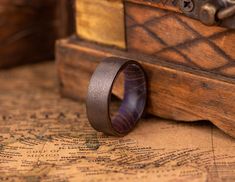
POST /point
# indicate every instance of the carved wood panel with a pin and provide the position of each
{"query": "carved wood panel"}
(178, 39)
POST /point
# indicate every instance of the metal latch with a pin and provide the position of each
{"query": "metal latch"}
(210, 12)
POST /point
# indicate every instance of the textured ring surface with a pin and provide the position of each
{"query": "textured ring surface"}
(99, 96)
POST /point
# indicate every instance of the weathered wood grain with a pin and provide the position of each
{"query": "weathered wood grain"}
(157, 30)
(162, 4)
(174, 91)
(190, 66)
(101, 21)
(28, 29)
(171, 36)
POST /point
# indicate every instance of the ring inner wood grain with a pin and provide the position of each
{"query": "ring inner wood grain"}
(134, 99)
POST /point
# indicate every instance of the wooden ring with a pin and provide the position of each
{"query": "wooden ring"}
(99, 96)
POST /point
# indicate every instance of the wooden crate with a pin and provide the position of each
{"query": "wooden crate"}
(190, 66)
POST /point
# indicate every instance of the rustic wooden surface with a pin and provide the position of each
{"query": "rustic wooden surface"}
(101, 21)
(174, 91)
(163, 4)
(176, 38)
(157, 30)
(28, 29)
(190, 66)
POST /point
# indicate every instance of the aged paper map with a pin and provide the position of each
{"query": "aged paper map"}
(44, 137)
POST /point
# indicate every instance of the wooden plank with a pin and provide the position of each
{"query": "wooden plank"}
(159, 33)
(101, 21)
(166, 5)
(28, 30)
(66, 17)
(174, 91)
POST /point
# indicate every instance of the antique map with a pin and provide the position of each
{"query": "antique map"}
(44, 137)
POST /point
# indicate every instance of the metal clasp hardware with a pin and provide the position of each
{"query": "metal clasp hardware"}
(210, 12)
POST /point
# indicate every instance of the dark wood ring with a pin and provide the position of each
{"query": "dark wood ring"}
(99, 96)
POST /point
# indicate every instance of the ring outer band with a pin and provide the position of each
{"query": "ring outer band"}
(99, 93)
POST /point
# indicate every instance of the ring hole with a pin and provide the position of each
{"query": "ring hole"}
(130, 86)
(117, 95)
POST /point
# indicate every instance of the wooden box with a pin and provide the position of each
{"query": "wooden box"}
(190, 66)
